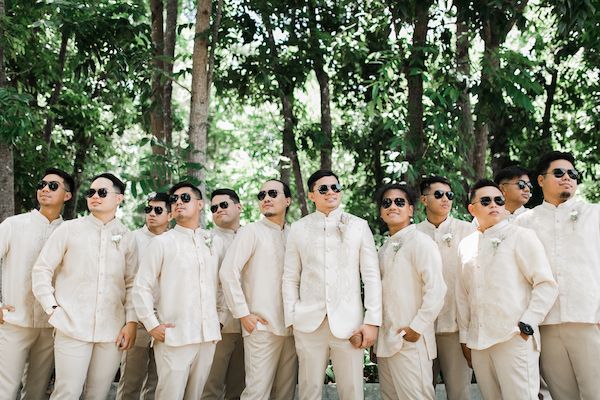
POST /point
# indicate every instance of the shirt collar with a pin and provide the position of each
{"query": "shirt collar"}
(147, 231)
(445, 225)
(403, 232)
(519, 211)
(271, 225)
(334, 215)
(566, 205)
(95, 221)
(188, 231)
(38, 215)
(496, 229)
(224, 231)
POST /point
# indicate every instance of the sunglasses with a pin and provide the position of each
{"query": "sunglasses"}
(52, 185)
(102, 192)
(438, 194)
(335, 188)
(523, 184)
(224, 205)
(185, 198)
(487, 200)
(560, 172)
(158, 210)
(263, 193)
(398, 201)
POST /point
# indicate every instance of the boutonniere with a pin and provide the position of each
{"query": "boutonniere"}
(116, 239)
(343, 225)
(396, 246)
(448, 238)
(208, 241)
(496, 242)
(574, 215)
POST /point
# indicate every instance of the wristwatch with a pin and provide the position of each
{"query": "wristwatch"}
(526, 329)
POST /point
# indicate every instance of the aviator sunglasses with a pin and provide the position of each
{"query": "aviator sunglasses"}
(438, 194)
(560, 172)
(157, 209)
(398, 201)
(335, 188)
(102, 192)
(52, 185)
(185, 197)
(263, 193)
(522, 184)
(224, 205)
(487, 200)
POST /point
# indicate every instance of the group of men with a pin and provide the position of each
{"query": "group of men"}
(252, 312)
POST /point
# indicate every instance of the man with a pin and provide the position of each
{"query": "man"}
(327, 254)
(138, 368)
(413, 295)
(83, 279)
(504, 290)
(569, 229)
(25, 335)
(437, 197)
(226, 378)
(181, 265)
(251, 276)
(516, 188)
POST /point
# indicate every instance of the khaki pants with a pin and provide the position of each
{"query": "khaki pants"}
(21, 347)
(138, 369)
(508, 370)
(408, 374)
(451, 362)
(314, 350)
(80, 363)
(271, 366)
(182, 370)
(570, 358)
(226, 379)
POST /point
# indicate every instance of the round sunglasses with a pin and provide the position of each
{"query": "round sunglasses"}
(52, 185)
(224, 205)
(398, 201)
(185, 198)
(335, 188)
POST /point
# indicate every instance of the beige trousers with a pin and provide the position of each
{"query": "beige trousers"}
(26, 354)
(451, 362)
(80, 363)
(314, 350)
(570, 358)
(408, 374)
(226, 379)
(271, 367)
(182, 370)
(508, 370)
(138, 369)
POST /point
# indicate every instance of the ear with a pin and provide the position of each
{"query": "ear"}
(120, 198)
(423, 200)
(311, 196)
(201, 204)
(411, 210)
(68, 196)
(470, 208)
(502, 189)
(540, 180)
(239, 206)
(288, 201)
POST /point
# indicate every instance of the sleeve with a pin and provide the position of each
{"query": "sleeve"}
(222, 310)
(5, 234)
(145, 283)
(462, 300)
(291, 275)
(371, 277)
(236, 258)
(428, 263)
(42, 274)
(534, 265)
(131, 267)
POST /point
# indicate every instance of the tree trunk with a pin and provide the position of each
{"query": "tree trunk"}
(481, 144)
(546, 144)
(170, 37)
(58, 83)
(82, 144)
(158, 44)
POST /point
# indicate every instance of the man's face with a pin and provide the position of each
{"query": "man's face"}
(273, 206)
(492, 213)
(517, 189)
(562, 188)
(329, 200)
(155, 220)
(227, 216)
(108, 203)
(47, 197)
(392, 213)
(185, 211)
(437, 206)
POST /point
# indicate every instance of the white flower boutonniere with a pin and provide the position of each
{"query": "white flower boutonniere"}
(116, 239)
(574, 215)
(208, 241)
(396, 246)
(343, 225)
(496, 242)
(448, 238)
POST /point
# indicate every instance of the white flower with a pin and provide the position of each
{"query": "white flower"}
(343, 225)
(496, 242)
(116, 239)
(208, 241)
(396, 246)
(574, 215)
(448, 238)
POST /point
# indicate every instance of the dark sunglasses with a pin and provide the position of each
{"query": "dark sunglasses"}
(158, 210)
(52, 185)
(224, 205)
(560, 172)
(487, 200)
(398, 201)
(335, 188)
(102, 192)
(185, 197)
(263, 193)
(522, 184)
(438, 194)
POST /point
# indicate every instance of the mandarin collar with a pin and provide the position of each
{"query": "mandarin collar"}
(494, 230)
(97, 222)
(147, 231)
(519, 211)
(188, 231)
(39, 216)
(272, 225)
(404, 232)
(334, 215)
(567, 204)
(445, 225)
(224, 231)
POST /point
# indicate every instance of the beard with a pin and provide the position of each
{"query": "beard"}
(564, 196)
(269, 214)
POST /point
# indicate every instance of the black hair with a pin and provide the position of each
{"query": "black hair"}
(509, 173)
(226, 192)
(546, 160)
(161, 196)
(67, 178)
(187, 184)
(430, 180)
(481, 183)
(410, 193)
(318, 175)
(287, 192)
(117, 183)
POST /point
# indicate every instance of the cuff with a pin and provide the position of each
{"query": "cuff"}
(150, 322)
(419, 325)
(462, 337)
(529, 319)
(240, 311)
(47, 301)
(131, 316)
(372, 318)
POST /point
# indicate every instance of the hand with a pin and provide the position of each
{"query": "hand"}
(369, 333)
(409, 334)
(7, 308)
(158, 333)
(524, 336)
(372, 355)
(467, 354)
(249, 322)
(126, 338)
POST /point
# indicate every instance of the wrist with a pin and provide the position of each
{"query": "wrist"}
(525, 329)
